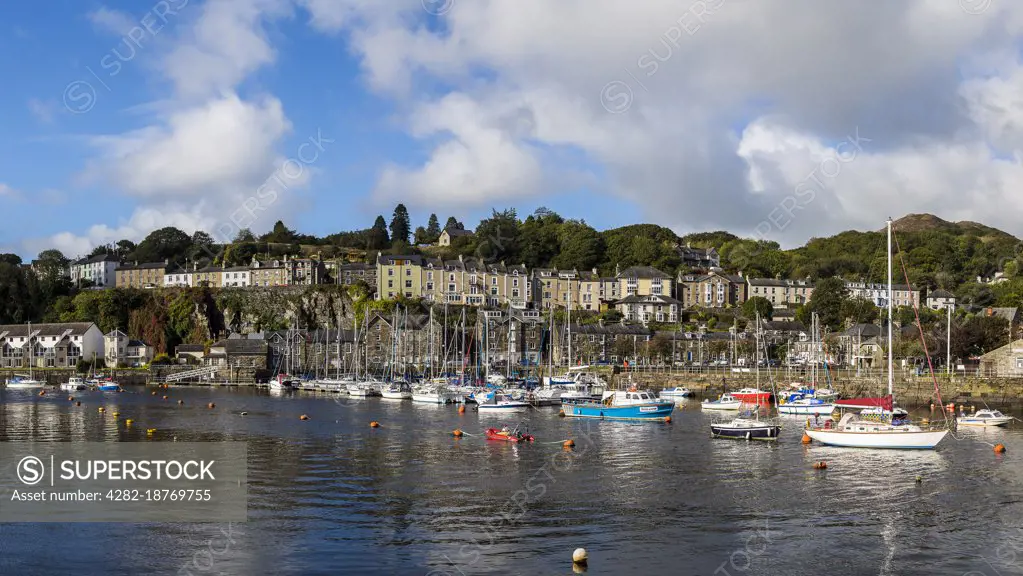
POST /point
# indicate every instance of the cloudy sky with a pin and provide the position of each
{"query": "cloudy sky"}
(779, 119)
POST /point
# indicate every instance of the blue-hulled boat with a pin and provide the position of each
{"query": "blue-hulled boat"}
(629, 404)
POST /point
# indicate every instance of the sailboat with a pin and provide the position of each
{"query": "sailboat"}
(21, 381)
(435, 392)
(806, 401)
(879, 426)
(747, 425)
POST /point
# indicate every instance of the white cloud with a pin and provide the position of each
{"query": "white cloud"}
(204, 150)
(733, 104)
(111, 21)
(7, 192)
(43, 111)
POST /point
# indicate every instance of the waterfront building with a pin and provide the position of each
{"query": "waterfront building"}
(49, 345)
(119, 350)
(902, 295)
(650, 308)
(236, 277)
(145, 275)
(940, 300)
(713, 290)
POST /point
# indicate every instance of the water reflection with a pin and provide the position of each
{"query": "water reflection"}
(408, 497)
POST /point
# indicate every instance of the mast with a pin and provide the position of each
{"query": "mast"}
(432, 374)
(891, 367)
(948, 340)
(568, 322)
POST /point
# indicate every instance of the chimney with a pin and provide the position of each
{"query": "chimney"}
(616, 270)
(460, 258)
(166, 261)
(600, 322)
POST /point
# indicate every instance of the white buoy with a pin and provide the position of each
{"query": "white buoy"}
(579, 556)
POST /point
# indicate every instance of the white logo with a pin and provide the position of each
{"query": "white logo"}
(30, 470)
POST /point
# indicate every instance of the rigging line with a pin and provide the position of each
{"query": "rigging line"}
(920, 329)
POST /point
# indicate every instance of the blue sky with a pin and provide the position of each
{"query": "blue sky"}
(458, 107)
(317, 78)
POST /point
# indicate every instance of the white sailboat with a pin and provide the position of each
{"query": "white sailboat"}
(881, 428)
(21, 381)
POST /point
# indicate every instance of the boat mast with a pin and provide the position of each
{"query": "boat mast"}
(891, 368)
(432, 374)
(568, 322)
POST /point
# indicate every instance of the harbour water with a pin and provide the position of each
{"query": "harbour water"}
(331, 495)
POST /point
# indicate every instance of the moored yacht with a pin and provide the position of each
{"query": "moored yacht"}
(22, 382)
(73, 383)
(985, 417)
(631, 404)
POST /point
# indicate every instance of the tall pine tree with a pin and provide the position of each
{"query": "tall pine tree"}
(401, 227)
(376, 237)
(432, 229)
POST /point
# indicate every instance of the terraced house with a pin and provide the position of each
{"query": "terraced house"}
(98, 270)
(146, 275)
(399, 276)
(644, 281)
(49, 345)
(553, 288)
(597, 292)
(270, 273)
(713, 290)
(781, 292)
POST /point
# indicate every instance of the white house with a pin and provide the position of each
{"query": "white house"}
(120, 350)
(99, 269)
(238, 277)
(649, 308)
(940, 300)
(49, 345)
(177, 279)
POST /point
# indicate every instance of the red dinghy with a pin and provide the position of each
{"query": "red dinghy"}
(508, 435)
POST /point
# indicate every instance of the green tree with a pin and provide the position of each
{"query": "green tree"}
(581, 247)
(124, 247)
(244, 235)
(280, 234)
(538, 238)
(757, 305)
(453, 223)
(163, 244)
(421, 236)
(860, 310)
(828, 301)
(432, 229)
(376, 237)
(102, 250)
(401, 226)
(497, 238)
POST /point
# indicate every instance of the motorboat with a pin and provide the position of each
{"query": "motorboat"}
(397, 391)
(631, 404)
(434, 394)
(365, 389)
(752, 396)
(107, 385)
(725, 402)
(495, 402)
(546, 396)
(985, 417)
(73, 384)
(676, 393)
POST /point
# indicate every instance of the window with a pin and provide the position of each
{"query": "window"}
(515, 281)
(390, 271)
(408, 271)
(429, 286)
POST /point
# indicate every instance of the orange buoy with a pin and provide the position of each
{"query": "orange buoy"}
(70, 398)
(211, 405)
(457, 433)
(461, 409)
(568, 443)
(374, 424)
(807, 439)
(999, 448)
(164, 397)
(820, 465)
(154, 393)
(561, 413)
(78, 403)
(303, 417)
(42, 392)
(667, 419)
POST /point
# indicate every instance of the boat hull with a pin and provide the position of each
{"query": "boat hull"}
(654, 411)
(912, 440)
(108, 388)
(984, 422)
(765, 432)
(388, 395)
(501, 408)
(721, 405)
(435, 398)
(24, 385)
(495, 434)
(758, 398)
(806, 410)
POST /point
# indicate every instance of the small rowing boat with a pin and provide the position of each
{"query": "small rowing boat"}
(507, 435)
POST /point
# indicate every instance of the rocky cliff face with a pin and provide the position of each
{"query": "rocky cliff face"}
(258, 309)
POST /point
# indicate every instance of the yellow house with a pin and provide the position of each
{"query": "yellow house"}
(399, 276)
(554, 288)
(147, 275)
(644, 281)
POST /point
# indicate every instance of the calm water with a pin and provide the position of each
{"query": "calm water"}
(333, 496)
